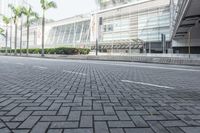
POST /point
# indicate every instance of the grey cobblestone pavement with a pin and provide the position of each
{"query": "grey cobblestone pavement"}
(66, 96)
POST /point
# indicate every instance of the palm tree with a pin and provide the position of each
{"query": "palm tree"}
(2, 31)
(6, 20)
(17, 11)
(30, 14)
(45, 5)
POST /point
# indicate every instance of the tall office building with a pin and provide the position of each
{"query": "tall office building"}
(144, 20)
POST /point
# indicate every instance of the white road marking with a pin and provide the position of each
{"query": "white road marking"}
(4, 62)
(147, 84)
(40, 67)
(19, 64)
(74, 72)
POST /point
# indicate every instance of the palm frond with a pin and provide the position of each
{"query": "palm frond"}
(45, 4)
(6, 20)
(51, 4)
(2, 31)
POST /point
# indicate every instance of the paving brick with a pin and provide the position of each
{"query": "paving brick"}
(86, 121)
(5, 130)
(9, 107)
(54, 118)
(36, 108)
(116, 124)
(174, 130)
(74, 115)
(15, 111)
(22, 116)
(101, 127)
(139, 130)
(46, 113)
(106, 118)
(139, 121)
(191, 129)
(40, 127)
(29, 122)
(109, 110)
(138, 113)
(188, 120)
(157, 127)
(12, 125)
(122, 115)
(55, 131)
(92, 113)
(55, 106)
(64, 111)
(177, 123)
(20, 131)
(64, 125)
(116, 130)
(152, 111)
(83, 130)
(154, 117)
(168, 115)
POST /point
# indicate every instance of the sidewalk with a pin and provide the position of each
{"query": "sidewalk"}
(126, 58)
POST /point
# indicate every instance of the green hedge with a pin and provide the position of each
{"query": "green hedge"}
(61, 50)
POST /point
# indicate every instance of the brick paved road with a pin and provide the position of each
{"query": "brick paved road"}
(65, 96)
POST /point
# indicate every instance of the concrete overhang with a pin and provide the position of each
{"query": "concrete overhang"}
(188, 17)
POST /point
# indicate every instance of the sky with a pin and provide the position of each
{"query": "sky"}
(66, 8)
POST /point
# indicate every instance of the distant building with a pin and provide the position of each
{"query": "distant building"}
(132, 21)
(127, 26)
(69, 32)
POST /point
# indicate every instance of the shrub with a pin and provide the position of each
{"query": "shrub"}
(60, 50)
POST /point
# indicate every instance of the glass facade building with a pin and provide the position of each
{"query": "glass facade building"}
(145, 20)
(72, 34)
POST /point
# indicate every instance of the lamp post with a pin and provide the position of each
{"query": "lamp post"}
(99, 33)
(163, 38)
(189, 44)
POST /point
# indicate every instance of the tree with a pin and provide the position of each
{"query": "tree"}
(30, 14)
(17, 12)
(6, 21)
(2, 31)
(45, 5)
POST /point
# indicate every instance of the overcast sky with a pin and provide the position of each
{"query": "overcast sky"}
(66, 8)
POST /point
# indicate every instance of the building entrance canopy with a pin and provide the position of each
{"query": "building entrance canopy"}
(121, 44)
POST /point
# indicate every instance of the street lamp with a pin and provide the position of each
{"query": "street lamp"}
(98, 35)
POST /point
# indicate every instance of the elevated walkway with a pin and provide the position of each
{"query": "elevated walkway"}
(187, 27)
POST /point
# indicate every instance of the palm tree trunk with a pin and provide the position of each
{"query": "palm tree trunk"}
(10, 39)
(15, 39)
(27, 46)
(21, 37)
(43, 30)
(6, 39)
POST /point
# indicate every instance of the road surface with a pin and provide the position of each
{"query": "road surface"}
(73, 96)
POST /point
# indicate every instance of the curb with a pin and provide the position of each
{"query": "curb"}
(142, 59)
